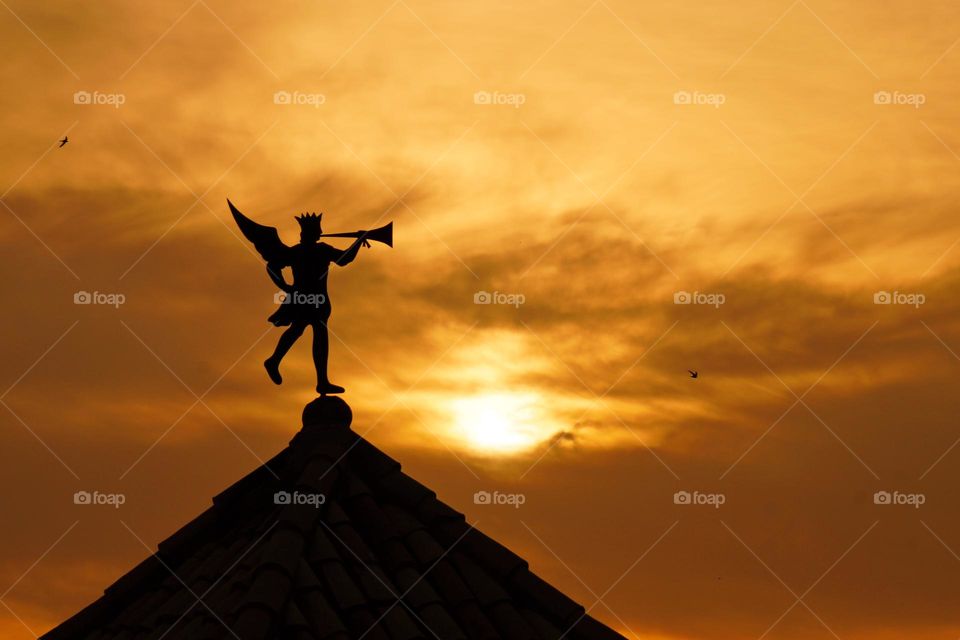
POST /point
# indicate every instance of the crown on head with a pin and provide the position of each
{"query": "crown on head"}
(309, 220)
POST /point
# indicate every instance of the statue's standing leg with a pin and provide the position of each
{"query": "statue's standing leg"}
(290, 336)
(321, 352)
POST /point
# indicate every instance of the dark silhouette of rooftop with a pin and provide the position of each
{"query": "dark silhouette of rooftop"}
(379, 558)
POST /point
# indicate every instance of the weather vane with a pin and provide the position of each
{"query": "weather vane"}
(305, 301)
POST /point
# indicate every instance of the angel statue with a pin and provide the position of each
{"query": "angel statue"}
(305, 301)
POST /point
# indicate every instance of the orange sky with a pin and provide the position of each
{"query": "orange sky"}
(596, 158)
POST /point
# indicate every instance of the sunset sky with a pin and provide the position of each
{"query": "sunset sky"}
(594, 161)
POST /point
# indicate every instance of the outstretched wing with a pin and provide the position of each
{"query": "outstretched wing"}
(265, 239)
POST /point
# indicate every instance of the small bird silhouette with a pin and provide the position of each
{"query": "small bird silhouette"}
(693, 374)
(64, 141)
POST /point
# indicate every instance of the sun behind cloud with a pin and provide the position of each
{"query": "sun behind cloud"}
(501, 422)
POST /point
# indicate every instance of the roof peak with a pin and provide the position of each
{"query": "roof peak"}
(372, 554)
(330, 412)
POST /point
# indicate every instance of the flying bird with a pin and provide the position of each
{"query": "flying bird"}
(64, 141)
(693, 374)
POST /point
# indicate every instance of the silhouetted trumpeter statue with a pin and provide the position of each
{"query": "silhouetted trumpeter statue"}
(306, 302)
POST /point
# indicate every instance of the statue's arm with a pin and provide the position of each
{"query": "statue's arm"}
(275, 271)
(347, 256)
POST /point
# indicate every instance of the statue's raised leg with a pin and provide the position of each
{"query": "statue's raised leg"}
(272, 364)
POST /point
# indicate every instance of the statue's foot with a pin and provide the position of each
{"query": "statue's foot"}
(273, 370)
(325, 388)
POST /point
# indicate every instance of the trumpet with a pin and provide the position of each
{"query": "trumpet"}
(382, 234)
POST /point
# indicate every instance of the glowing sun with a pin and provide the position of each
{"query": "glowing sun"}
(501, 422)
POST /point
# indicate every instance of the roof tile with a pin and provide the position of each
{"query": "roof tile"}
(510, 623)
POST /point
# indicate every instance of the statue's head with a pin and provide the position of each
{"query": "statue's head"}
(310, 229)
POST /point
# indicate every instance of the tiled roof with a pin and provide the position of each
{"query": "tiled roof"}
(380, 559)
